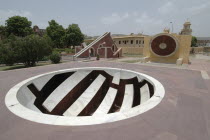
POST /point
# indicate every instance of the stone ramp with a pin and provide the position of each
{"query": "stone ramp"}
(90, 45)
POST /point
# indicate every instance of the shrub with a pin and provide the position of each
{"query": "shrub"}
(194, 41)
(45, 58)
(7, 56)
(55, 57)
(32, 49)
(27, 50)
(8, 53)
(1, 54)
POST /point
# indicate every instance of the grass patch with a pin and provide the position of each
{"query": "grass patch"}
(132, 55)
(132, 61)
(20, 66)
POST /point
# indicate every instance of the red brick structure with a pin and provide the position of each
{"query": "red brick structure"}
(104, 46)
(38, 31)
(79, 48)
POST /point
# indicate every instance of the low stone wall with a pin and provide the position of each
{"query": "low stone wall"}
(199, 49)
(206, 49)
(132, 50)
(196, 49)
(139, 50)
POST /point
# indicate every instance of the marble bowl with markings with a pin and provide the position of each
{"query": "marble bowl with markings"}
(84, 96)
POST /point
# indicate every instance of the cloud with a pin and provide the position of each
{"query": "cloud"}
(42, 25)
(194, 10)
(167, 8)
(5, 14)
(145, 19)
(114, 18)
(135, 13)
(150, 24)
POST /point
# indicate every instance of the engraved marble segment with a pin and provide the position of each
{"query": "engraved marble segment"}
(60, 92)
(116, 78)
(85, 98)
(107, 102)
(128, 98)
(27, 99)
(40, 82)
(145, 94)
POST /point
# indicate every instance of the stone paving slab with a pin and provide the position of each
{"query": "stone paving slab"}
(183, 114)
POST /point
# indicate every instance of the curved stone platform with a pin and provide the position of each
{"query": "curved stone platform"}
(84, 96)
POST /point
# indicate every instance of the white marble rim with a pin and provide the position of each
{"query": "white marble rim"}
(167, 34)
(18, 109)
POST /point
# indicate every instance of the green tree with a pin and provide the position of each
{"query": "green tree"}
(32, 49)
(1, 54)
(56, 32)
(2, 32)
(8, 52)
(19, 26)
(73, 36)
(194, 41)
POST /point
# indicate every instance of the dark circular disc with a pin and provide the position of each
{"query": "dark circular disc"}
(163, 45)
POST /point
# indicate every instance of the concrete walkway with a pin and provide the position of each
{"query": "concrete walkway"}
(183, 114)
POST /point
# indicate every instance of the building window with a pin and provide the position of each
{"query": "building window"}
(137, 41)
(131, 41)
(143, 42)
(119, 42)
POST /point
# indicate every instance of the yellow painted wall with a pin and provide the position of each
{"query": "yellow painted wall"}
(88, 41)
(146, 51)
(184, 48)
(184, 43)
(140, 40)
(132, 50)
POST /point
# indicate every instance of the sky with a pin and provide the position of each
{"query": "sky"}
(96, 17)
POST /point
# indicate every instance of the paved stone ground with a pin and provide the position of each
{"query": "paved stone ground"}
(183, 114)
